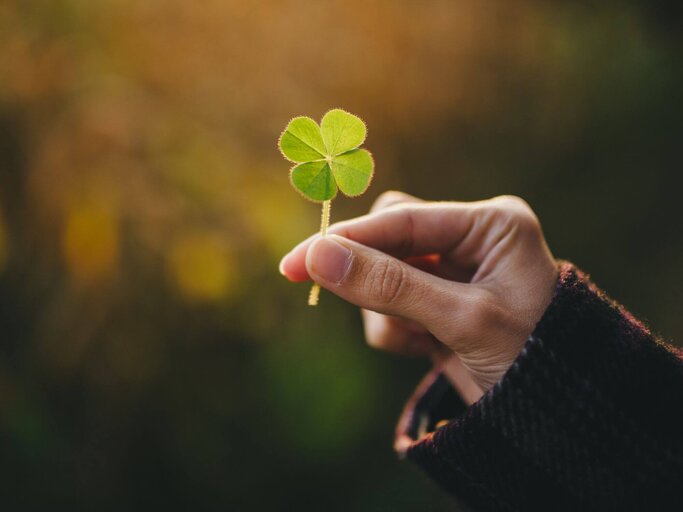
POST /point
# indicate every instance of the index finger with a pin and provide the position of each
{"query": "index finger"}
(415, 229)
(393, 198)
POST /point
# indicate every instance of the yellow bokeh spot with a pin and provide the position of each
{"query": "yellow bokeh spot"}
(201, 267)
(90, 242)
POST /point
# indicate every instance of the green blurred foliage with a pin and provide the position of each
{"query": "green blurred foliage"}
(150, 354)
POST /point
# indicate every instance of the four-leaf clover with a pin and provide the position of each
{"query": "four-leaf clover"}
(327, 155)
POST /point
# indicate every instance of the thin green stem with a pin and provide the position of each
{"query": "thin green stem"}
(314, 294)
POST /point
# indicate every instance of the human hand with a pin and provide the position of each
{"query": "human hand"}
(465, 283)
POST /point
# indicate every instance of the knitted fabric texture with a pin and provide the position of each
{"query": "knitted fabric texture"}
(589, 417)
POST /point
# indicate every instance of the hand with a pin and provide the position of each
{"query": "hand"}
(465, 283)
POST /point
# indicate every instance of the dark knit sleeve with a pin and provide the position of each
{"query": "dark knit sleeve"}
(589, 417)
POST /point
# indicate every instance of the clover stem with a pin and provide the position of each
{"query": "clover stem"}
(325, 220)
(314, 294)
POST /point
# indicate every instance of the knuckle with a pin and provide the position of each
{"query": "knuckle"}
(512, 204)
(388, 198)
(511, 201)
(518, 211)
(529, 223)
(385, 281)
(385, 198)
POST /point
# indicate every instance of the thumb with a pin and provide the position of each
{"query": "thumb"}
(374, 280)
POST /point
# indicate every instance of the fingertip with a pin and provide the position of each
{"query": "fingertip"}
(292, 270)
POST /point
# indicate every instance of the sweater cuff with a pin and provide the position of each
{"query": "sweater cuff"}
(585, 416)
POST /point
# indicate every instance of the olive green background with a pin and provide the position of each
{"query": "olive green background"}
(151, 356)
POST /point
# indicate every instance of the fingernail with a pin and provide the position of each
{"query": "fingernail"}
(281, 267)
(330, 260)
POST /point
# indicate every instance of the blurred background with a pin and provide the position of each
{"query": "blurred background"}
(151, 356)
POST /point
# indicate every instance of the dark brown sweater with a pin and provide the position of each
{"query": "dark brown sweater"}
(589, 417)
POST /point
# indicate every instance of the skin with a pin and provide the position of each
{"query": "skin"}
(462, 283)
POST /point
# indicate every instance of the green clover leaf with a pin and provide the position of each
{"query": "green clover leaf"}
(327, 155)
(328, 159)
